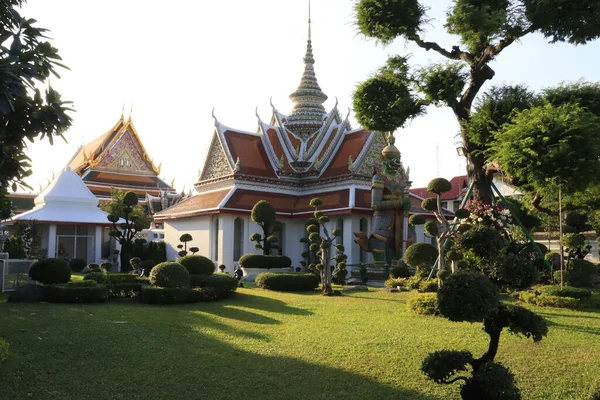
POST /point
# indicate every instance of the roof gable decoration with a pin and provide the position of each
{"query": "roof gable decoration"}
(370, 156)
(217, 163)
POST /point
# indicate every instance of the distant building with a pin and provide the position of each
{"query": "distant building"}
(450, 200)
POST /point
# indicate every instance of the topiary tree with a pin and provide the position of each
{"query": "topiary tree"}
(77, 264)
(125, 206)
(197, 265)
(322, 244)
(185, 238)
(194, 250)
(170, 275)
(50, 271)
(106, 266)
(263, 213)
(484, 29)
(442, 230)
(472, 297)
(421, 256)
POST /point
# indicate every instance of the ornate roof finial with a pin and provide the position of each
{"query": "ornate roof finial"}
(130, 112)
(123, 112)
(390, 149)
(307, 115)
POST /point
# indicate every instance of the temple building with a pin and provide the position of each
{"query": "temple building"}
(287, 161)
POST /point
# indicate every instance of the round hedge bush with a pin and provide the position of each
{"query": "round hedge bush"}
(579, 273)
(424, 304)
(77, 264)
(513, 271)
(170, 275)
(50, 271)
(420, 255)
(399, 271)
(263, 261)
(467, 296)
(197, 265)
(429, 204)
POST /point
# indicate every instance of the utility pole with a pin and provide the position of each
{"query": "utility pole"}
(560, 245)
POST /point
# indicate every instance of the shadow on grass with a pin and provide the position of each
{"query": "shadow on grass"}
(166, 353)
(574, 328)
(267, 304)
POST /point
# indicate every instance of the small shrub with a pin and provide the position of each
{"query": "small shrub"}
(543, 300)
(395, 282)
(125, 289)
(147, 265)
(513, 271)
(3, 351)
(135, 263)
(81, 283)
(197, 265)
(222, 283)
(428, 286)
(413, 282)
(424, 304)
(107, 266)
(287, 281)
(566, 291)
(111, 278)
(170, 275)
(467, 296)
(222, 268)
(399, 271)
(50, 271)
(77, 264)
(579, 273)
(13, 245)
(93, 267)
(263, 261)
(75, 294)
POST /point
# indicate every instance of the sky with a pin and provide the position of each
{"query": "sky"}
(169, 64)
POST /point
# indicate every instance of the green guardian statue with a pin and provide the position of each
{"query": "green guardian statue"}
(390, 202)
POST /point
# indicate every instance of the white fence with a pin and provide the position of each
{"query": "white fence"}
(14, 273)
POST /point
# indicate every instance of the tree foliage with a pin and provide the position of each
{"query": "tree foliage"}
(484, 29)
(30, 108)
(264, 214)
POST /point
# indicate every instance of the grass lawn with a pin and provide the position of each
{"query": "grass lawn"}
(269, 345)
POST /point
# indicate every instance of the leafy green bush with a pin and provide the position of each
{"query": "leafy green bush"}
(148, 265)
(400, 271)
(566, 291)
(81, 283)
(197, 265)
(107, 266)
(513, 271)
(125, 289)
(3, 351)
(287, 281)
(77, 264)
(543, 300)
(222, 283)
(101, 277)
(75, 294)
(263, 261)
(492, 382)
(14, 246)
(93, 267)
(439, 186)
(395, 282)
(421, 256)
(135, 263)
(50, 271)
(579, 273)
(428, 286)
(170, 275)
(424, 304)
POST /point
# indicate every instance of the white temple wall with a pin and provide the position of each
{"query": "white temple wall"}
(198, 227)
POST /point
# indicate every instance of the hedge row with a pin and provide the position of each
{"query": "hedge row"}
(160, 295)
(424, 304)
(287, 281)
(263, 261)
(566, 291)
(113, 278)
(223, 284)
(543, 300)
(64, 293)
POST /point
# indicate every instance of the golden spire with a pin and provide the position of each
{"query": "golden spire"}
(309, 38)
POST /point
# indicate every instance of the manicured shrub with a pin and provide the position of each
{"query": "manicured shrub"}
(81, 283)
(50, 271)
(400, 271)
(222, 283)
(147, 265)
(439, 186)
(93, 267)
(579, 273)
(107, 266)
(513, 271)
(119, 285)
(77, 264)
(159, 295)
(428, 286)
(543, 300)
(197, 265)
(424, 304)
(467, 296)
(75, 294)
(3, 351)
(566, 291)
(125, 289)
(170, 275)
(135, 263)
(421, 256)
(263, 261)
(13, 245)
(111, 278)
(287, 281)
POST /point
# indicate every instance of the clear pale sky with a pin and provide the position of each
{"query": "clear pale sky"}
(174, 61)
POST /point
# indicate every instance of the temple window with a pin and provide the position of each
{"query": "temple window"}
(363, 227)
(340, 226)
(238, 238)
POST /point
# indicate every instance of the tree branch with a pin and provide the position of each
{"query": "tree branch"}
(536, 204)
(455, 54)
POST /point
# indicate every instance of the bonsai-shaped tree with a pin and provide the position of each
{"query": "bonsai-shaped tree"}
(194, 250)
(125, 232)
(263, 213)
(472, 297)
(322, 243)
(186, 237)
(421, 256)
(442, 230)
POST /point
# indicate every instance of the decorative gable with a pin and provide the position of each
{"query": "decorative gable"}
(365, 163)
(125, 155)
(216, 164)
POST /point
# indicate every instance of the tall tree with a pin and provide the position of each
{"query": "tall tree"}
(29, 107)
(388, 99)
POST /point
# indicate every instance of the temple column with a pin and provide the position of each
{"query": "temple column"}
(52, 241)
(98, 244)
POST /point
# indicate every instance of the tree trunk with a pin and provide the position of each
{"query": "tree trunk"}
(326, 273)
(482, 189)
(125, 256)
(493, 326)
